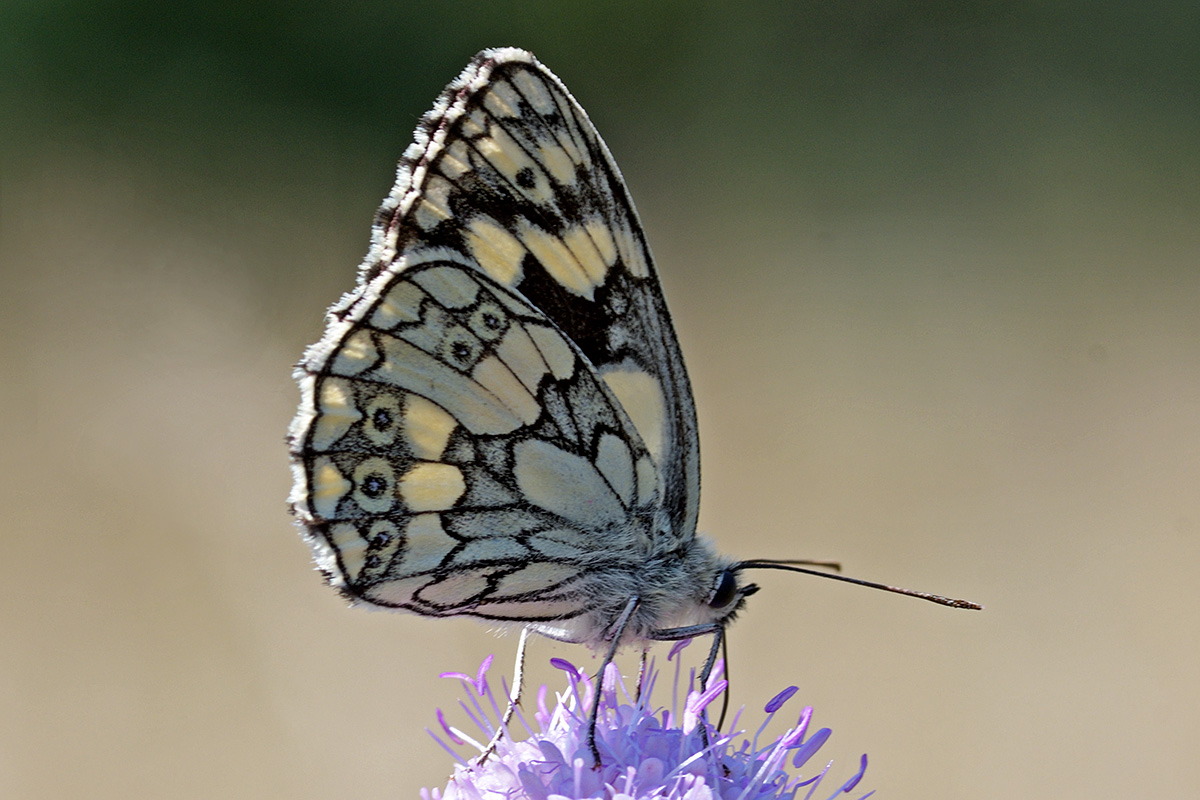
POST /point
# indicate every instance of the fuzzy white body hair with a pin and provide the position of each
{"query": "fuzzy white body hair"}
(672, 591)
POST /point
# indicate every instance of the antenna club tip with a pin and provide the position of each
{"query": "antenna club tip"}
(949, 601)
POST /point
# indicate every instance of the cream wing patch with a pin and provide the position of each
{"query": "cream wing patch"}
(328, 487)
(519, 353)
(557, 161)
(497, 251)
(431, 486)
(537, 577)
(565, 484)
(454, 590)
(337, 413)
(435, 208)
(554, 349)
(493, 375)
(401, 304)
(427, 427)
(556, 257)
(615, 463)
(351, 548)
(357, 353)
(641, 395)
(426, 546)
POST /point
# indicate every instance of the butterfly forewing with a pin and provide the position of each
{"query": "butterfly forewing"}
(508, 170)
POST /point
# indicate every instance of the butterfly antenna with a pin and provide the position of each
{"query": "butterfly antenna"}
(791, 566)
(836, 566)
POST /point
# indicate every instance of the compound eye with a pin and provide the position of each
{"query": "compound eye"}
(725, 590)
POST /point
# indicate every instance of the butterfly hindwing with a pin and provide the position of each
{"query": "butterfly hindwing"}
(461, 456)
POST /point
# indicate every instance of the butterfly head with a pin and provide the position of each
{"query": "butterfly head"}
(717, 596)
(691, 589)
(726, 592)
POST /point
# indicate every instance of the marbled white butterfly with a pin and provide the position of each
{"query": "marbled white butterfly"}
(498, 422)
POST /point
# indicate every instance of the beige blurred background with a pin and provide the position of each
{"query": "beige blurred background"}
(935, 271)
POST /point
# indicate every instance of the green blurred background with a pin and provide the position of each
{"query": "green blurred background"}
(936, 270)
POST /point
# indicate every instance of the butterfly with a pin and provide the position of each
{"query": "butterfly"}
(498, 422)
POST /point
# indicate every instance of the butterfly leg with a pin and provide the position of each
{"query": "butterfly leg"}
(618, 628)
(728, 680)
(514, 697)
(709, 663)
(641, 675)
(718, 633)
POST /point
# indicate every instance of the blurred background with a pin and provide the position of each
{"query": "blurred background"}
(936, 271)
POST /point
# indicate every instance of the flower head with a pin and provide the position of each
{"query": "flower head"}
(645, 752)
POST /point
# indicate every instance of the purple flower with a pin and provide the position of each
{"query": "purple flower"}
(645, 753)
